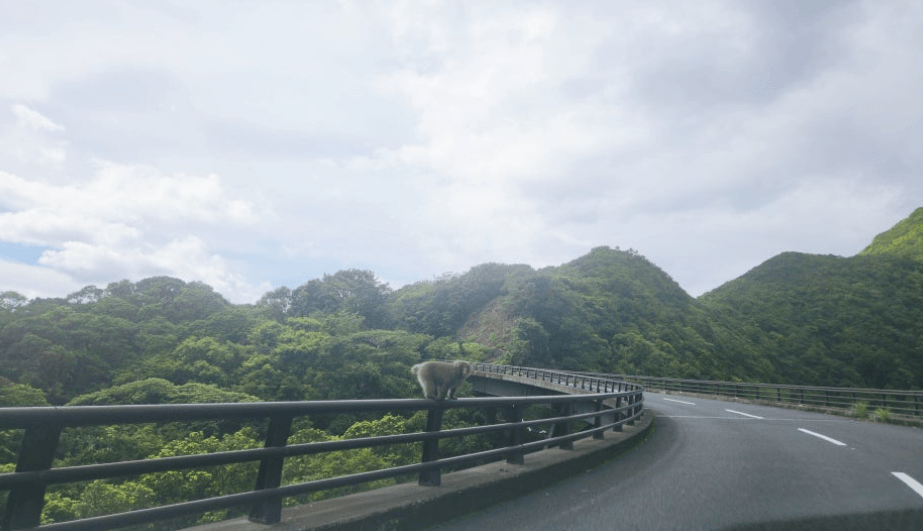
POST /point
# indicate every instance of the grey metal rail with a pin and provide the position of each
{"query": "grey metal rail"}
(611, 404)
(907, 403)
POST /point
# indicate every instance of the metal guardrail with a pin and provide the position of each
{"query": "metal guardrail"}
(618, 401)
(907, 403)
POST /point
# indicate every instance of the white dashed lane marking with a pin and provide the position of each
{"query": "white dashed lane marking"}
(824, 437)
(744, 414)
(912, 483)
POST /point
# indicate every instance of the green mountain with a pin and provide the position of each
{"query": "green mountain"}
(610, 310)
(797, 318)
(829, 320)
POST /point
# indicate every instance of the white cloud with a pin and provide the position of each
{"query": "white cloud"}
(33, 119)
(33, 281)
(128, 222)
(414, 138)
(31, 139)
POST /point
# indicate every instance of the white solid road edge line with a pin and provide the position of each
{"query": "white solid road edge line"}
(680, 401)
(824, 437)
(744, 414)
(912, 483)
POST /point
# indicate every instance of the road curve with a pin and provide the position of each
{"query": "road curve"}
(713, 464)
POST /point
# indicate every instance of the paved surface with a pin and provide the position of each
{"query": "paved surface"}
(723, 465)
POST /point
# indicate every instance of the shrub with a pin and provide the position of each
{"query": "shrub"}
(860, 410)
(883, 415)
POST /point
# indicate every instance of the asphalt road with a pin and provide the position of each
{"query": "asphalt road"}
(723, 465)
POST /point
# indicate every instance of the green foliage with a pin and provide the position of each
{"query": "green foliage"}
(20, 395)
(10, 300)
(192, 484)
(447, 348)
(160, 391)
(882, 415)
(100, 498)
(826, 320)
(860, 410)
(395, 454)
(307, 468)
(351, 291)
(157, 489)
(903, 240)
(440, 307)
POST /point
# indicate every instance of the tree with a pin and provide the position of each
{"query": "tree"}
(351, 291)
(10, 301)
(87, 295)
(278, 303)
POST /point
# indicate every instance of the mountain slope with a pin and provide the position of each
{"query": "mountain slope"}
(904, 239)
(828, 320)
(612, 311)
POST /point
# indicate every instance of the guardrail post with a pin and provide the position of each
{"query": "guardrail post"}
(598, 420)
(562, 428)
(24, 504)
(514, 415)
(618, 411)
(432, 478)
(270, 473)
(631, 401)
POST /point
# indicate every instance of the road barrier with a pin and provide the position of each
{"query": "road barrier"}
(906, 403)
(601, 403)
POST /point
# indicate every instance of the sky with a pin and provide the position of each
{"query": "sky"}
(257, 144)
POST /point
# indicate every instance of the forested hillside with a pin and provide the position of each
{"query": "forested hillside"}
(828, 320)
(797, 318)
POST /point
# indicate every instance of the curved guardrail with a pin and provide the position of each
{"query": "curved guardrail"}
(906, 403)
(603, 403)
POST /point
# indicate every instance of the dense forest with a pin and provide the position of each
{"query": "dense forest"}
(797, 318)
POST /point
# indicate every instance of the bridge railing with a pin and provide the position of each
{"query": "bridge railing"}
(907, 403)
(578, 381)
(613, 404)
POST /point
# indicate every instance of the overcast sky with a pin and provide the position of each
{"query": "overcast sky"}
(255, 144)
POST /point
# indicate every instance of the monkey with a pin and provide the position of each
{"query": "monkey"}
(439, 379)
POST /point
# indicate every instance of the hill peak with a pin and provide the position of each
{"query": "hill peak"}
(903, 239)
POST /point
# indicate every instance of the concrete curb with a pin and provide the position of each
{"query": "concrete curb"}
(409, 506)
